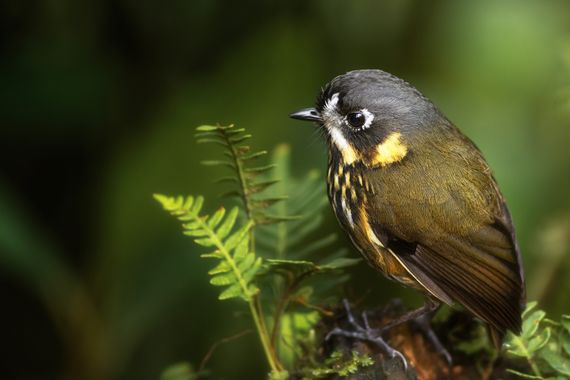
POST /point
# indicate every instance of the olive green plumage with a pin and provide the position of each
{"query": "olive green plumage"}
(417, 197)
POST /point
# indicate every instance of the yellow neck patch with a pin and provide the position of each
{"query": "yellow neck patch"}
(389, 151)
(349, 155)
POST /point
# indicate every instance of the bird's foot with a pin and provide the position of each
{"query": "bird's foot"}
(367, 334)
(423, 325)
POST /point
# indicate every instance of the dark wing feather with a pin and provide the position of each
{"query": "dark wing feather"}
(449, 226)
(484, 284)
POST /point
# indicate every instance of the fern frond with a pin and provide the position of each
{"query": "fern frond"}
(303, 268)
(295, 239)
(237, 265)
(239, 158)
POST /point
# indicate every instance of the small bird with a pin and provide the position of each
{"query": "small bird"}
(417, 198)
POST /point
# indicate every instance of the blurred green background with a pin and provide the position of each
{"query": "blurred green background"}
(98, 103)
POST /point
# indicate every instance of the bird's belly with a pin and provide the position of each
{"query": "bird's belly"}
(349, 200)
(384, 261)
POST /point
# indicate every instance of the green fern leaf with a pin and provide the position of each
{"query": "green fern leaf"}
(237, 266)
(227, 224)
(216, 218)
(239, 157)
(222, 267)
(233, 291)
(305, 268)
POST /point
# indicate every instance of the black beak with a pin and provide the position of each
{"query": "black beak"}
(308, 114)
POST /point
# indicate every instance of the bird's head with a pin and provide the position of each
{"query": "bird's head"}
(371, 116)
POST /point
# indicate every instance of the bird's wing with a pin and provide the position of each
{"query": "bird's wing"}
(451, 227)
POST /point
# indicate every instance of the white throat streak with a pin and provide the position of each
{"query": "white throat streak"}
(348, 153)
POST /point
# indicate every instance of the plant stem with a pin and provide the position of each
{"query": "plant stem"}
(279, 311)
(263, 337)
(251, 298)
(243, 186)
(528, 356)
(283, 303)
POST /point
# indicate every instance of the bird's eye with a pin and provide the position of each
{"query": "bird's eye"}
(356, 119)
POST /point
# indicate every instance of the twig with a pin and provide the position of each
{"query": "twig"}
(215, 346)
(322, 310)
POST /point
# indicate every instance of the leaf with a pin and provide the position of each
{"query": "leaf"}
(234, 239)
(524, 375)
(179, 371)
(230, 179)
(210, 141)
(250, 273)
(538, 341)
(207, 128)
(252, 156)
(288, 237)
(341, 263)
(531, 324)
(193, 233)
(565, 321)
(215, 219)
(239, 139)
(204, 242)
(227, 224)
(266, 202)
(516, 346)
(565, 341)
(196, 207)
(231, 292)
(258, 187)
(239, 156)
(222, 267)
(529, 307)
(294, 266)
(556, 361)
(304, 267)
(221, 280)
(236, 267)
(213, 255)
(218, 163)
(246, 263)
(260, 169)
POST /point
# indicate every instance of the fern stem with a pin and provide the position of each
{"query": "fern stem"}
(243, 185)
(262, 336)
(283, 304)
(280, 311)
(251, 299)
(253, 302)
(268, 348)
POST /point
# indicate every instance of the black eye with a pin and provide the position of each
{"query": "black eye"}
(356, 119)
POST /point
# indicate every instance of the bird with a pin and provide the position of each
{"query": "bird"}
(418, 200)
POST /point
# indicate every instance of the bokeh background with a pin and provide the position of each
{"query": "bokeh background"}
(98, 103)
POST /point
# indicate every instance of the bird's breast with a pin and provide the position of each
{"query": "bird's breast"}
(350, 193)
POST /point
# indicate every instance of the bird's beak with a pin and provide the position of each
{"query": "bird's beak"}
(308, 114)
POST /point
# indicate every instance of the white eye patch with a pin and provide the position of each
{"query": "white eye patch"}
(368, 119)
(332, 116)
